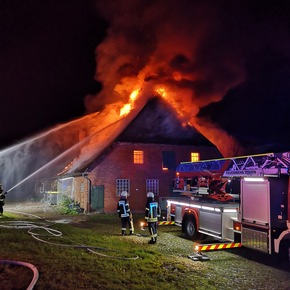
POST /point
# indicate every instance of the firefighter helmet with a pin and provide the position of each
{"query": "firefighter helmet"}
(124, 193)
(150, 194)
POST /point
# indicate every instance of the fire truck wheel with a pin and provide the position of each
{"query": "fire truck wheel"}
(190, 228)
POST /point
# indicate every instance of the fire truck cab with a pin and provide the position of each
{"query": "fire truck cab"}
(241, 199)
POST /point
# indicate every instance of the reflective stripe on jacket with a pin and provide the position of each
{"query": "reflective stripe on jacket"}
(152, 211)
(123, 208)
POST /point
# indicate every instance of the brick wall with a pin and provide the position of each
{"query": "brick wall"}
(118, 164)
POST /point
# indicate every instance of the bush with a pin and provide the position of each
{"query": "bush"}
(67, 205)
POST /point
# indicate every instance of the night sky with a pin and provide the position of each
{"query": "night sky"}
(227, 62)
(47, 63)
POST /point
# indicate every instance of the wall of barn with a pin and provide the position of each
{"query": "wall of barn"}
(118, 164)
(52, 192)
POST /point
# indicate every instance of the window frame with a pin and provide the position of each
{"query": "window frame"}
(122, 184)
(82, 187)
(42, 188)
(168, 160)
(138, 157)
(152, 185)
(194, 156)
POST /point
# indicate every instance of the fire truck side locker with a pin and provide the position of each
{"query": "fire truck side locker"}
(216, 221)
(255, 214)
(211, 219)
(264, 214)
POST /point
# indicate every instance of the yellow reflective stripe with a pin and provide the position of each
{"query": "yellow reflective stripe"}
(152, 220)
(218, 246)
(166, 223)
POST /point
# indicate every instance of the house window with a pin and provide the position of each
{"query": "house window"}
(138, 157)
(41, 188)
(82, 186)
(194, 156)
(66, 186)
(152, 185)
(168, 160)
(122, 185)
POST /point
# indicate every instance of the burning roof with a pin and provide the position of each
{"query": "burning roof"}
(155, 122)
(158, 122)
(71, 147)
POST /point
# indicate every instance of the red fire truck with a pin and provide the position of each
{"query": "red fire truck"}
(241, 200)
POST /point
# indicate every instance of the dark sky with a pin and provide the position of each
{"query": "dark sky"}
(47, 63)
(226, 61)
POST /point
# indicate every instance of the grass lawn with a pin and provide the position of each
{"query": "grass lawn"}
(90, 253)
(86, 255)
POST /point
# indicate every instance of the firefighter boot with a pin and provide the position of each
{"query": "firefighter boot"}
(151, 242)
(123, 233)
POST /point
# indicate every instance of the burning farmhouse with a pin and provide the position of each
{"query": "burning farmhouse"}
(138, 153)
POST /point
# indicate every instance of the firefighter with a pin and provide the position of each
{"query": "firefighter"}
(152, 213)
(2, 200)
(125, 214)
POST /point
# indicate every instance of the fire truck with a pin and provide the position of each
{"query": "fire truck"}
(242, 200)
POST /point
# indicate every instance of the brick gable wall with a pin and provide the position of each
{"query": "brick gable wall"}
(118, 164)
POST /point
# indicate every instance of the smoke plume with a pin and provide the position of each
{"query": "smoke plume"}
(168, 44)
(198, 51)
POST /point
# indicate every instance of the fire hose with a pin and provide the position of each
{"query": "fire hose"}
(43, 226)
(93, 249)
(32, 227)
(28, 265)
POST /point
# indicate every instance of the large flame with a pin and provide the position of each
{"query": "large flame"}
(159, 47)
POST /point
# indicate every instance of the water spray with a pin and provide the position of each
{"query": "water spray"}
(76, 146)
(41, 135)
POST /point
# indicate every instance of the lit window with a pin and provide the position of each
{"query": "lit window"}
(152, 185)
(138, 157)
(194, 156)
(122, 185)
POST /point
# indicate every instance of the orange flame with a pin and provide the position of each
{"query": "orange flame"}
(186, 114)
(126, 109)
(134, 95)
(161, 92)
